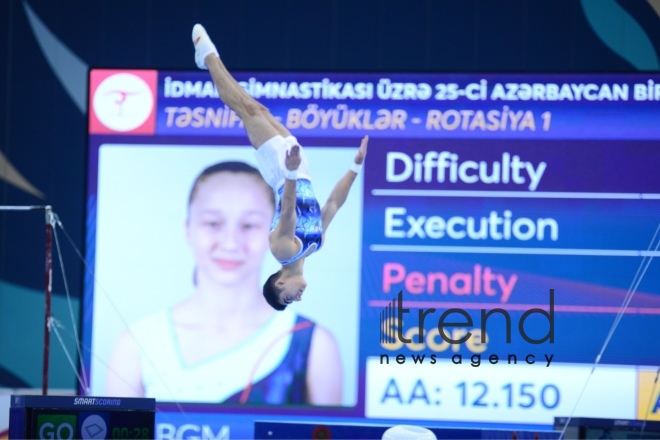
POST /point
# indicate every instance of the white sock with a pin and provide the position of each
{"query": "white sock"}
(203, 45)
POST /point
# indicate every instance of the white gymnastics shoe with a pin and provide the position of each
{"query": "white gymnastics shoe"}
(203, 46)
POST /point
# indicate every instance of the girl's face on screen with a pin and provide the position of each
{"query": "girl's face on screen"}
(228, 226)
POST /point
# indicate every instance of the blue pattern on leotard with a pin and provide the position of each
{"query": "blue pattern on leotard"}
(287, 384)
(309, 228)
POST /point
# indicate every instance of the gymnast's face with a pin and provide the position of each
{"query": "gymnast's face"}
(292, 288)
(228, 225)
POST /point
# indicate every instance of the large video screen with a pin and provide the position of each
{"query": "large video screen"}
(491, 266)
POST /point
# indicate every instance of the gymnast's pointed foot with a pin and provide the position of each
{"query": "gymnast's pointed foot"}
(203, 46)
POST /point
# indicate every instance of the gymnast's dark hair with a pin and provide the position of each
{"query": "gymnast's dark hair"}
(229, 167)
(272, 292)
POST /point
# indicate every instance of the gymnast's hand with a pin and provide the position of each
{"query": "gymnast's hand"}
(362, 152)
(292, 160)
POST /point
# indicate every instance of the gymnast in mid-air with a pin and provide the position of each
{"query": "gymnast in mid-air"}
(299, 225)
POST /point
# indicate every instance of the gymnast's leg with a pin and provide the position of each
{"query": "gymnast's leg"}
(257, 119)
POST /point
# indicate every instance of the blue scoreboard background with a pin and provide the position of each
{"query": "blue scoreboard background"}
(481, 194)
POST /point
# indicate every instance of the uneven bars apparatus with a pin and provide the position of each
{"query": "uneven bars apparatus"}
(48, 288)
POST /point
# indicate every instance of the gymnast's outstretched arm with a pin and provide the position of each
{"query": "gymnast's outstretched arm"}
(340, 191)
(282, 242)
